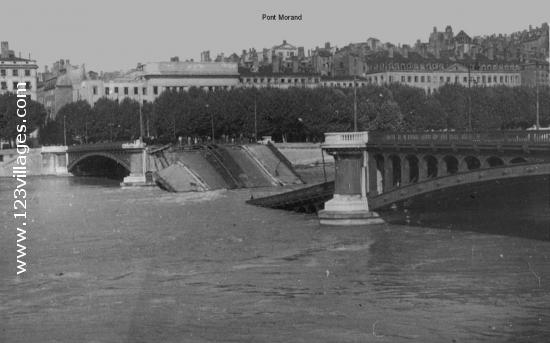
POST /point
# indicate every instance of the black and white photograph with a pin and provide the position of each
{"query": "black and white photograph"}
(274, 171)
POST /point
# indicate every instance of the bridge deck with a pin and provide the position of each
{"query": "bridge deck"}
(308, 199)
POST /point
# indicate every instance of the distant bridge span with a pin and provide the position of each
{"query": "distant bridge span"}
(131, 156)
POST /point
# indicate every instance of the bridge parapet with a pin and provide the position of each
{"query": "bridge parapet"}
(457, 138)
(345, 140)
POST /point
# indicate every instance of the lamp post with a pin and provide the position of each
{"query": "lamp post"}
(354, 105)
(64, 131)
(255, 121)
(140, 120)
(211, 121)
(476, 67)
(537, 92)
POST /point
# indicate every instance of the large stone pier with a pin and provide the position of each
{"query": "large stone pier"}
(350, 205)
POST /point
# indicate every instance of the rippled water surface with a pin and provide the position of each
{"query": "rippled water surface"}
(110, 264)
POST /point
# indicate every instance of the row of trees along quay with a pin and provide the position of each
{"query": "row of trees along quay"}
(295, 114)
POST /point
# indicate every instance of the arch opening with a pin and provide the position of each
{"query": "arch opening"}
(472, 163)
(451, 164)
(431, 166)
(99, 166)
(396, 170)
(414, 171)
(494, 161)
(518, 160)
(379, 173)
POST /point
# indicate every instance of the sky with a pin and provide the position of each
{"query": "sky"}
(113, 35)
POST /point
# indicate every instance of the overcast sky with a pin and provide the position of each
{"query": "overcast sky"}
(112, 35)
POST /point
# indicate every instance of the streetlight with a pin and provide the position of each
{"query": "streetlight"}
(211, 120)
(64, 131)
(255, 121)
(354, 105)
(537, 92)
(140, 119)
(476, 67)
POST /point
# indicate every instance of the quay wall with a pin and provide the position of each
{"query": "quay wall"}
(38, 163)
(302, 154)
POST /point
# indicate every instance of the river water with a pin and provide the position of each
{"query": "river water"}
(111, 264)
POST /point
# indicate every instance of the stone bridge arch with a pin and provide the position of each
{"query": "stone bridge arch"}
(73, 163)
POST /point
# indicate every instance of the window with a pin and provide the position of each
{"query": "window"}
(107, 91)
(4, 85)
(144, 91)
(415, 78)
(155, 90)
(429, 78)
(116, 90)
(28, 85)
(483, 78)
(465, 79)
(448, 79)
(2, 72)
(27, 72)
(408, 79)
(402, 78)
(441, 79)
(501, 79)
(15, 86)
(136, 91)
(94, 90)
(489, 79)
(422, 78)
(15, 72)
(125, 90)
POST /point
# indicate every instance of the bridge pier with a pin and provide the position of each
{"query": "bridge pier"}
(138, 169)
(349, 205)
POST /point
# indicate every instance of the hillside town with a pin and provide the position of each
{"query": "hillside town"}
(515, 59)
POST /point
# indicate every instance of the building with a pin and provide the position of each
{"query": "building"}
(148, 81)
(285, 51)
(535, 73)
(430, 72)
(267, 78)
(60, 86)
(16, 69)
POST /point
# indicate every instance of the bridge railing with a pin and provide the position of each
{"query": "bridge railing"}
(541, 137)
(346, 138)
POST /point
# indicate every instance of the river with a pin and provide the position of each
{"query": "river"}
(111, 264)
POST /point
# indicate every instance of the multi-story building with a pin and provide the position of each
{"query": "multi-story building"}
(148, 81)
(16, 69)
(285, 51)
(535, 73)
(322, 60)
(433, 71)
(60, 86)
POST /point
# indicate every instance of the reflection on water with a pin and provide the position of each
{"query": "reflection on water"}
(110, 264)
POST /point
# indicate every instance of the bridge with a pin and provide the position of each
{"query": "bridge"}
(129, 159)
(377, 169)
